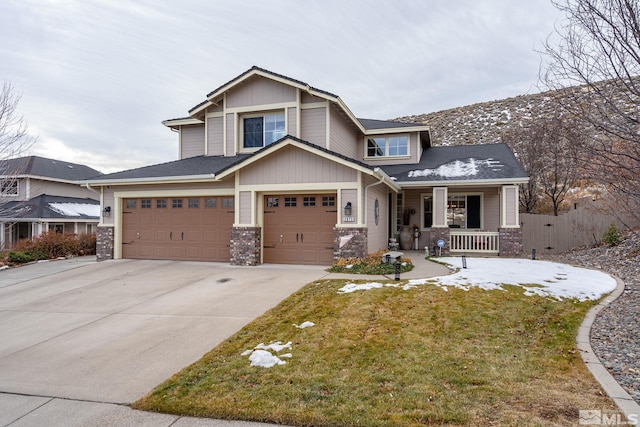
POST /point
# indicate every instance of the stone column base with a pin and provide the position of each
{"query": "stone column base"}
(104, 243)
(355, 247)
(440, 233)
(510, 242)
(246, 243)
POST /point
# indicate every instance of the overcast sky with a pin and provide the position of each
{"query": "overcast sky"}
(97, 77)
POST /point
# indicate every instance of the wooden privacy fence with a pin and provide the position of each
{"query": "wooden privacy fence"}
(549, 234)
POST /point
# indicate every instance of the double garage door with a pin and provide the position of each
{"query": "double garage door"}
(298, 229)
(189, 229)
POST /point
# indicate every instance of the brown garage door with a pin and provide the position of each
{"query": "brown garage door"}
(298, 229)
(193, 229)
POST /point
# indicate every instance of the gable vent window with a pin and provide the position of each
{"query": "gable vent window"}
(260, 131)
(391, 146)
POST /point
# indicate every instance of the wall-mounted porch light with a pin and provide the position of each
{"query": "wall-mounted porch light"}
(106, 212)
(347, 209)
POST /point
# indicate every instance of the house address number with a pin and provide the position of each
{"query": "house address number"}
(349, 219)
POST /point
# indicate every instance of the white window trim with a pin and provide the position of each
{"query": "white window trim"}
(386, 138)
(241, 117)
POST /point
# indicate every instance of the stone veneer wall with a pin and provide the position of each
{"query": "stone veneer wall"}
(245, 245)
(510, 242)
(356, 247)
(104, 243)
(437, 234)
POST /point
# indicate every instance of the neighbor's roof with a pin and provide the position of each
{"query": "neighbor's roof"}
(53, 208)
(44, 167)
(461, 163)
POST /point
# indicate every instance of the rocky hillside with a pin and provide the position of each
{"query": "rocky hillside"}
(484, 123)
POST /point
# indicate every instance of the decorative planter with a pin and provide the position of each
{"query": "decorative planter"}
(405, 238)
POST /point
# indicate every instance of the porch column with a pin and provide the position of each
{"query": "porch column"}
(2, 230)
(510, 232)
(440, 228)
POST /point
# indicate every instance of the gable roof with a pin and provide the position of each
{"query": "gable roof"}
(218, 167)
(53, 208)
(364, 125)
(47, 168)
(463, 164)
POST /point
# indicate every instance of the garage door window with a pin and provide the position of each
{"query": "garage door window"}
(176, 203)
(309, 201)
(131, 204)
(194, 203)
(145, 203)
(227, 202)
(290, 201)
(210, 203)
(272, 202)
(328, 201)
(161, 203)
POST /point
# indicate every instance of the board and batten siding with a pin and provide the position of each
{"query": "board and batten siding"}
(292, 165)
(344, 139)
(245, 204)
(215, 136)
(231, 133)
(292, 126)
(377, 233)
(191, 141)
(313, 123)
(307, 98)
(38, 187)
(260, 91)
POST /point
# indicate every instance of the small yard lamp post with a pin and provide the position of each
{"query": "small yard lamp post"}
(398, 268)
(464, 261)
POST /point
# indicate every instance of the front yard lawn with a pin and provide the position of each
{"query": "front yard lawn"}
(389, 356)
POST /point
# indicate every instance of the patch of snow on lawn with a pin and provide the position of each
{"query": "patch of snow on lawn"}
(544, 278)
(265, 359)
(304, 325)
(352, 287)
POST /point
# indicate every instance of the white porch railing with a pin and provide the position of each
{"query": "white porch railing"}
(474, 242)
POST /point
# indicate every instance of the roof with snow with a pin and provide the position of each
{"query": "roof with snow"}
(460, 163)
(48, 207)
(44, 167)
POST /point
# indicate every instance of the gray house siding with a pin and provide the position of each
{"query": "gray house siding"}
(313, 122)
(260, 91)
(215, 136)
(344, 139)
(377, 233)
(191, 141)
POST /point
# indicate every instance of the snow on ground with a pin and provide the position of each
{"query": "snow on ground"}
(538, 277)
(265, 355)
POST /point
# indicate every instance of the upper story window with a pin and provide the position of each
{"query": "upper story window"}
(260, 131)
(390, 146)
(9, 187)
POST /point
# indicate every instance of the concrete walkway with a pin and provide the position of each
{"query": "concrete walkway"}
(80, 340)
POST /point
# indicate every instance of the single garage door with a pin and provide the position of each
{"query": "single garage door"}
(174, 228)
(298, 229)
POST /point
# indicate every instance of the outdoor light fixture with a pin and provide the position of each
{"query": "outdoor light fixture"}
(106, 212)
(347, 209)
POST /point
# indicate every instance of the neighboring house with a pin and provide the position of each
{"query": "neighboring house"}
(272, 170)
(40, 194)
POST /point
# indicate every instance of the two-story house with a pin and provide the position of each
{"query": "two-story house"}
(38, 194)
(273, 170)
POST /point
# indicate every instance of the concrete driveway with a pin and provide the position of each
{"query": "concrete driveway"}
(109, 332)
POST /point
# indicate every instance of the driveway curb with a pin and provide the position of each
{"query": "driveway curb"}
(622, 399)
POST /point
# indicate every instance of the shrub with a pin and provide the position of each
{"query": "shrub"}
(370, 264)
(612, 236)
(53, 245)
(19, 257)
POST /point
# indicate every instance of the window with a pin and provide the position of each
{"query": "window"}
(176, 203)
(463, 211)
(308, 201)
(145, 203)
(427, 207)
(131, 204)
(210, 203)
(392, 146)
(194, 203)
(272, 202)
(227, 202)
(328, 201)
(263, 130)
(290, 201)
(9, 187)
(161, 203)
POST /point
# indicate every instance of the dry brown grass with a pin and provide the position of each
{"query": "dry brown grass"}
(393, 357)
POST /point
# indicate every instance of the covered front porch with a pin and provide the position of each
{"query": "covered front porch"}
(481, 220)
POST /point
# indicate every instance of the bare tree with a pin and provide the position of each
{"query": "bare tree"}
(548, 149)
(597, 50)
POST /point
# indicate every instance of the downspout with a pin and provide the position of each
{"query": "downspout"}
(366, 195)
